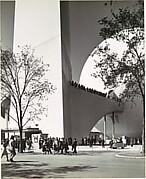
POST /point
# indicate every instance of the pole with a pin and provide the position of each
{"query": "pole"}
(105, 128)
(113, 128)
(7, 123)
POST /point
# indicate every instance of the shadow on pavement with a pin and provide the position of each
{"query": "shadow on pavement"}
(35, 170)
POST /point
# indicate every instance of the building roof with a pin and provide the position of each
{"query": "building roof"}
(94, 129)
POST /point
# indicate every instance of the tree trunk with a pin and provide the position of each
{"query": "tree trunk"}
(20, 145)
(21, 130)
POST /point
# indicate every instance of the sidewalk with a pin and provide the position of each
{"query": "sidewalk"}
(136, 148)
(135, 151)
(127, 152)
(95, 162)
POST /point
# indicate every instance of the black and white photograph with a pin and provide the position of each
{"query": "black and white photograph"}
(72, 89)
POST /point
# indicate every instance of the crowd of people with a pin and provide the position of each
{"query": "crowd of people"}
(26, 144)
(47, 146)
(88, 140)
(96, 140)
(9, 146)
(91, 90)
(92, 140)
(57, 145)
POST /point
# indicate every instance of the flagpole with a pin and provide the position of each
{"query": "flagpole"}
(7, 123)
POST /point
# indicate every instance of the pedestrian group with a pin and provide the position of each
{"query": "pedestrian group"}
(9, 147)
(57, 145)
(50, 146)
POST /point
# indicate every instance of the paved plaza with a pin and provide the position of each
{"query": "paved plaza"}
(95, 162)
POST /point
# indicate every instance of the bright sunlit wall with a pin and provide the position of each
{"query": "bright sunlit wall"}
(37, 23)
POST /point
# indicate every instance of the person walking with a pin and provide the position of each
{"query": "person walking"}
(44, 148)
(131, 142)
(5, 150)
(111, 143)
(56, 145)
(12, 145)
(62, 145)
(102, 143)
(41, 143)
(74, 146)
(29, 143)
(48, 144)
(82, 141)
(66, 147)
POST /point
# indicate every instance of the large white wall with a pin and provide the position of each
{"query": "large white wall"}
(37, 23)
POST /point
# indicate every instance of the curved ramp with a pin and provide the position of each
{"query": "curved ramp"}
(87, 109)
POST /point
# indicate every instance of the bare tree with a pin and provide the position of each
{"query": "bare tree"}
(23, 77)
(126, 27)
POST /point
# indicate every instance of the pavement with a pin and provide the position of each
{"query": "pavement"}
(128, 151)
(89, 162)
